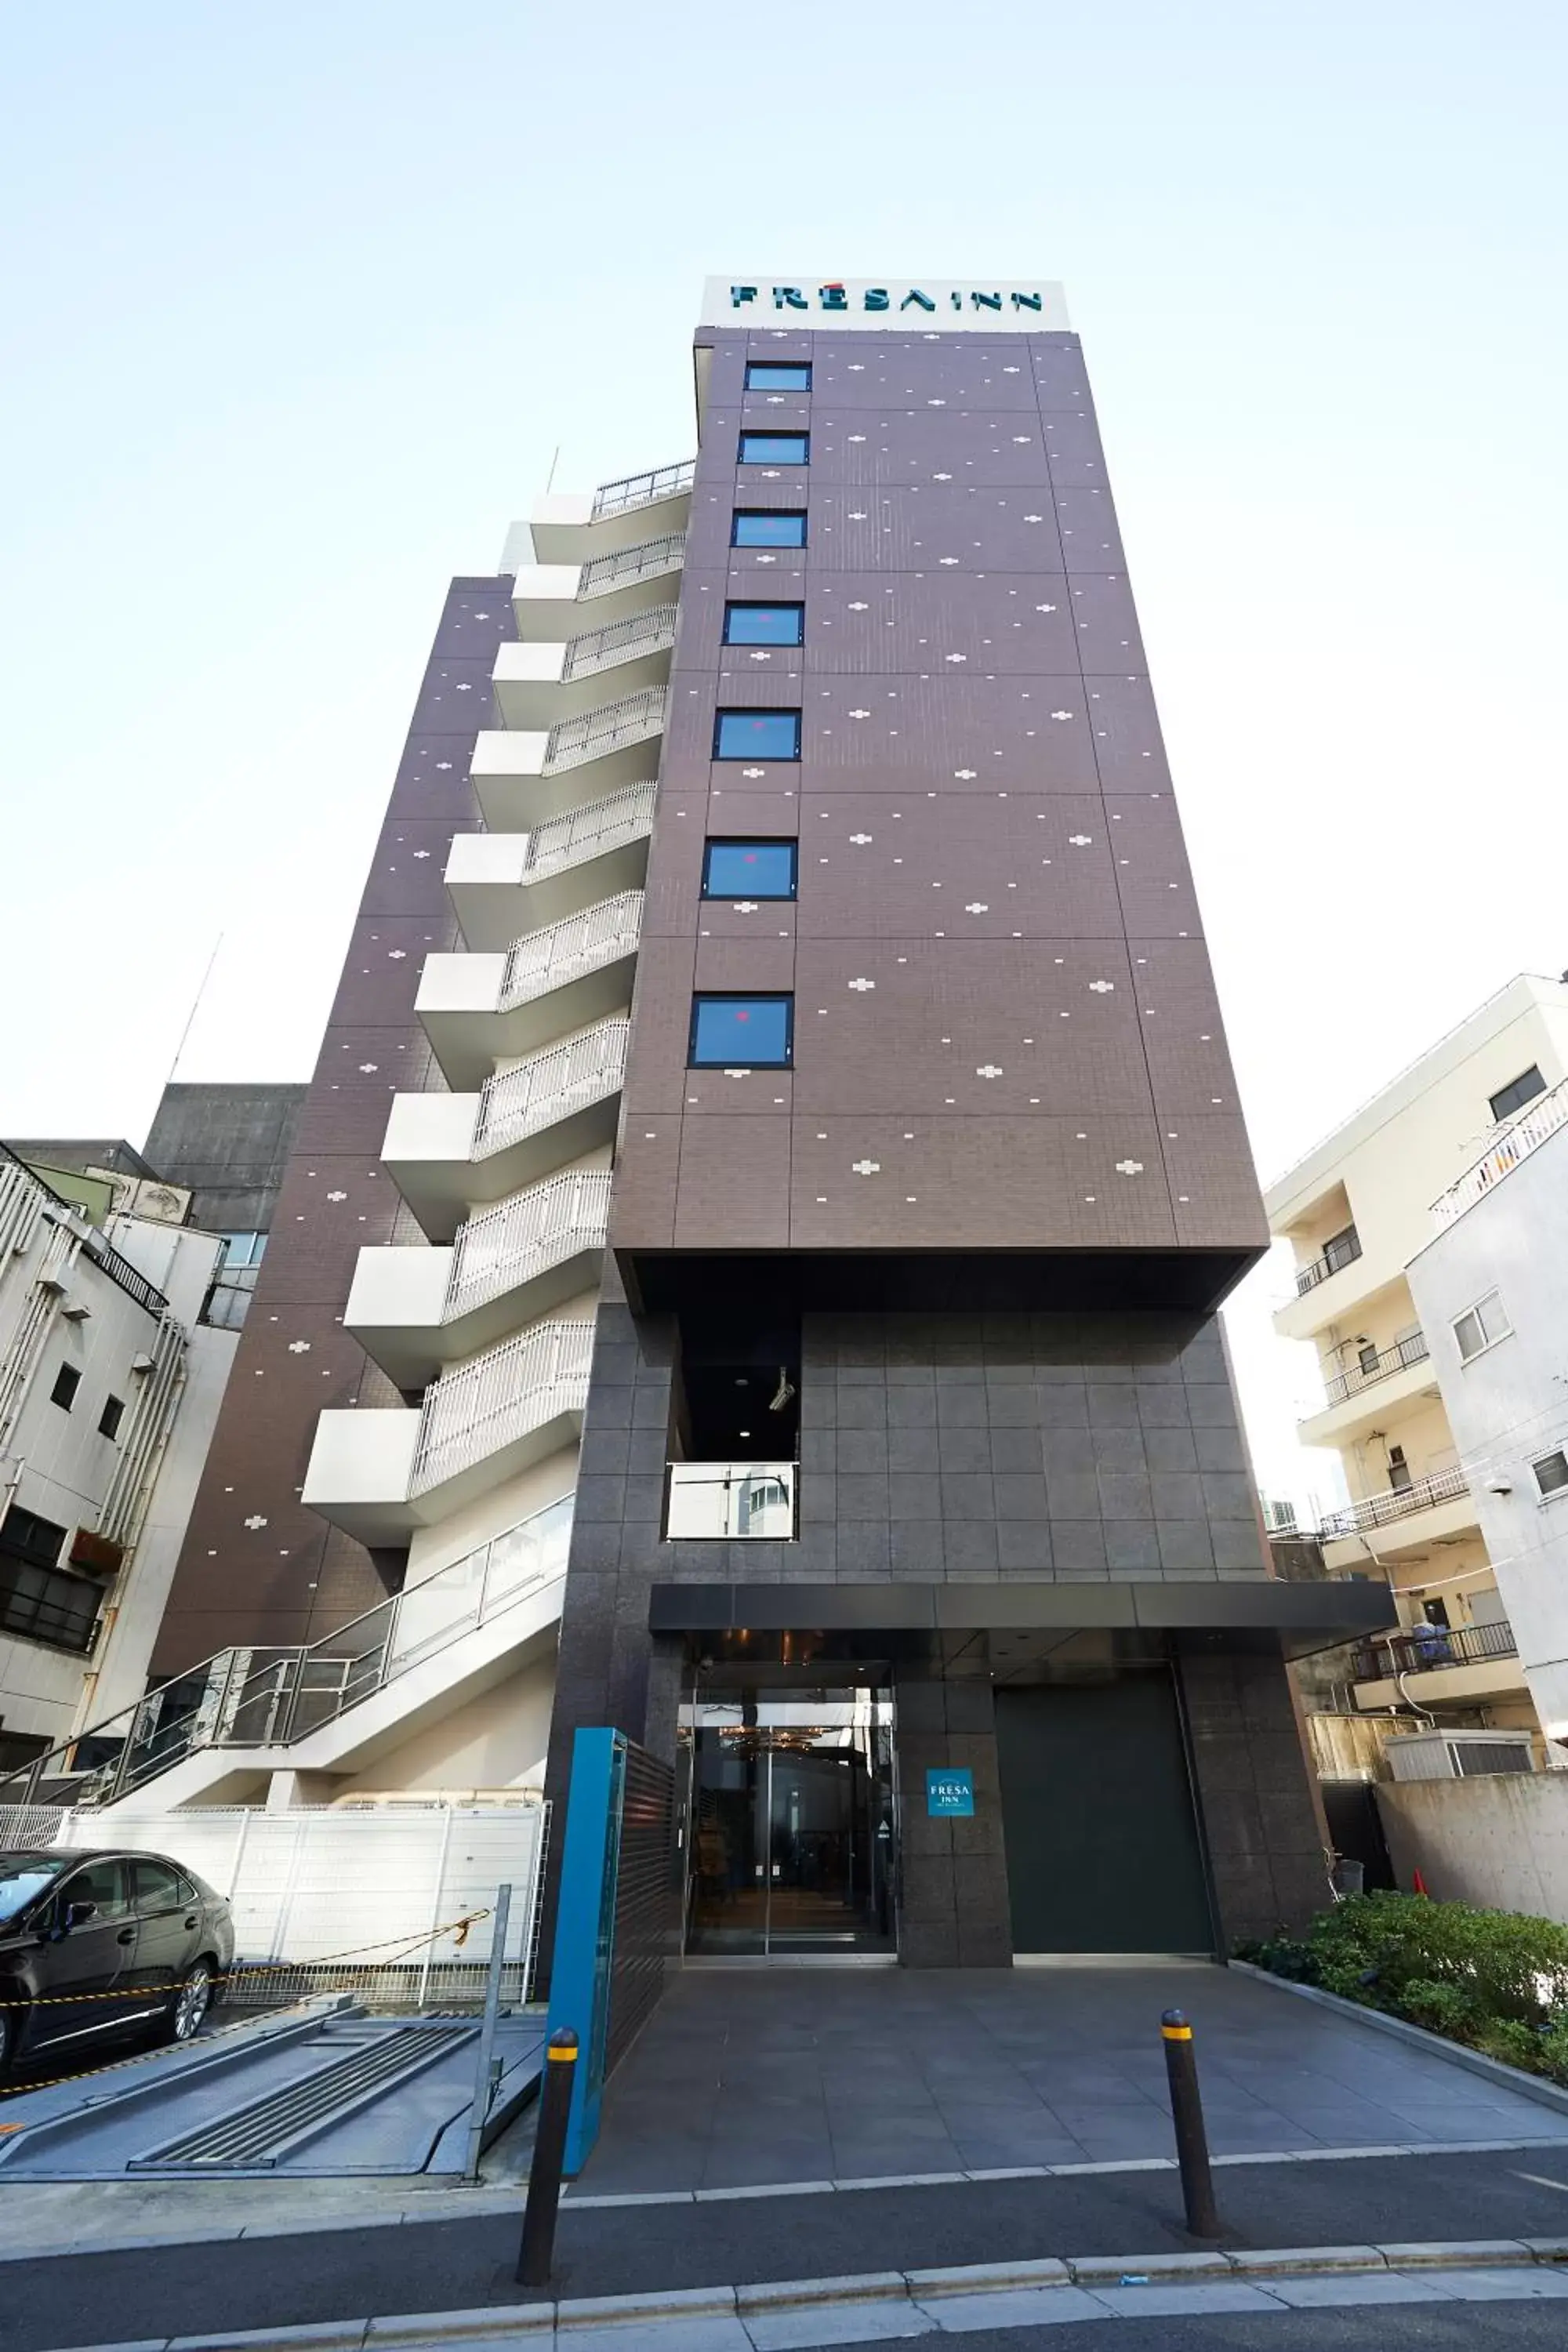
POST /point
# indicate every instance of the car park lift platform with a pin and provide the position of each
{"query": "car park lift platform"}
(321, 2090)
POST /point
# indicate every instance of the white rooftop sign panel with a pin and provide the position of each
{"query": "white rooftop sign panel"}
(942, 306)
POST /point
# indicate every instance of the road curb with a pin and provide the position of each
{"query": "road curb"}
(498, 2323)
(1490, 2070)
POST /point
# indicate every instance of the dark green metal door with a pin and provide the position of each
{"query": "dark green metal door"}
(1096, 1808)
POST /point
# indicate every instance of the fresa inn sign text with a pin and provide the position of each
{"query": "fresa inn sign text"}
(937, 304)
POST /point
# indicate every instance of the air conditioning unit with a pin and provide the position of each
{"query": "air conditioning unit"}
(1458, 1755)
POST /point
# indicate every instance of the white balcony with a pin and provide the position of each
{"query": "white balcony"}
(415, 1311)
(447, 1153)
(553, 601)
(538, 686)
(1385, 1526)
(380, 1475)
(1540, 1120)
(521, 776)
(505, 885)
(617, 515)
(1370, 1391)
(479, 1010)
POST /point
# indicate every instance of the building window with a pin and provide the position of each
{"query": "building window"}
(741, 1032)
(1551, 1472)
(242, 1249)
(37, 1600)
(764, 527)
(109, 1419)
(68, 1379)
(749, 869)
(1481, 1326)
(775, 448)
(769, 375)
(1398, 1470)
(757, 735)
(764, 624)
(1518, 1092)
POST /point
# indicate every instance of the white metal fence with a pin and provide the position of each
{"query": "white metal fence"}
(632, 719)
(566, 951)
(591, 831)
(498, 1397)
(551, 1084)
(652, 556)
(537, 1228)
(1543, 1117)
(342, 1897)
(645, 633)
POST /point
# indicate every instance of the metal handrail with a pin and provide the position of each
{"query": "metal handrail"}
(641, 490)
(596, 649)
(472, 1412)
(1380, 1510)
(104, 1256)
(1543, 1116)
(539, 1227)
(628, 563)
(632, 719)
(550, 1085)
(558, 953)
(1345, 1252)
(590, 831)
(1427, 1651)
(1385, 1362)
(251, 1698)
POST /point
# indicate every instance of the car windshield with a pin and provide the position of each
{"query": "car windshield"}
(24, 1877)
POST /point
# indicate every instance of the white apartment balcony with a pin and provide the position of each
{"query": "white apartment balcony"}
(617, 515)
(1406, 1518)
(522, 776)
(448, 1153)
(1542, 1118)
(1370, 1392)
(379, 1475)
(415, 1311)
(1461, 1665)
(553, 601)
(1325, 1289)
(479, 1010)
(503, 885)
(538, 686)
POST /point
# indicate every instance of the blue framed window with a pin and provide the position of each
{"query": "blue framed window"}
(775, 448)
(771, 375)
(764, 624)
(759, 526)
(757, 735)
(749, 869)
(741, 1032)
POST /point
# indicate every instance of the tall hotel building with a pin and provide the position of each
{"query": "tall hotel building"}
(749, 1269)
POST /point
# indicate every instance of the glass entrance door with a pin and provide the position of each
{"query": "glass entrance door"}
(793, 1830)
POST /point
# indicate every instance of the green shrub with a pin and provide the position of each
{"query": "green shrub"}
(1496, 1979)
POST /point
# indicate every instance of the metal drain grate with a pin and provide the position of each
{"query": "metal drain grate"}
(260, 2134)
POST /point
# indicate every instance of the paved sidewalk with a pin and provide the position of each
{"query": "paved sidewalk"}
(334, 2275)
(746, 2076)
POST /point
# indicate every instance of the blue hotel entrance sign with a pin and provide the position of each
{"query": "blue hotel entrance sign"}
(950, 1792)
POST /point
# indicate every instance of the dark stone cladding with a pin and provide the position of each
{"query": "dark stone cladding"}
(256, 1567)
(965, 1452)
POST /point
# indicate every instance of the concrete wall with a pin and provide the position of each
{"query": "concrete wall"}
(1508, 1406)
(1501, 1840)
(229, 1144)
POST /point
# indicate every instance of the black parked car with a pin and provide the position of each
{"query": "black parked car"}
(96, 1946)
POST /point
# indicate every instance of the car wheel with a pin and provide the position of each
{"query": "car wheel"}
(182, 2020)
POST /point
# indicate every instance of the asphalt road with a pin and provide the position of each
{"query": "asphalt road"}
(83, 2299)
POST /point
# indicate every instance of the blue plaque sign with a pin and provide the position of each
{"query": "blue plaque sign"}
(949, 1790)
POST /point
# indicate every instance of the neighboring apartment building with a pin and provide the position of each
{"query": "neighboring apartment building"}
(1358, 1210)
(108, 1396)
(762, 1205)
(1491, 1288)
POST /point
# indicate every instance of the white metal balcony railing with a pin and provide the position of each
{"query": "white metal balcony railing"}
(641, 490)
(634, 720)
(1531, 1128)
(538, 1228)
(1399, 1503)
(629, 564)
(1376, 1364)
(591, 831)
(645, 633)
(705, 1499)
(473, 1412)
(567, 950)
(550, 1085)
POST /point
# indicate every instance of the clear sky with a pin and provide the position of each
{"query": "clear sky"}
(297, 302)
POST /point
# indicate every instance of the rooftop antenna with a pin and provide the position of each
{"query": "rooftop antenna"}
(195, 1008)
(554, 463)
